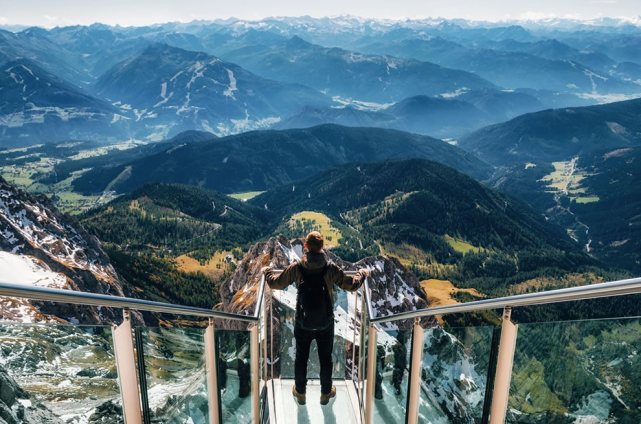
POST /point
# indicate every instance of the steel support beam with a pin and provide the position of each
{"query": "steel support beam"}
(211, 363)
(127, 374)
(263, 341)
(271, 333)
(371, 374)
(255, 369)
(354, 335)
(415, 373)
(503, 369)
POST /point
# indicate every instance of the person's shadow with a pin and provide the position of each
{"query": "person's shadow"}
(328, 413)
(329, 417)
(303, 415)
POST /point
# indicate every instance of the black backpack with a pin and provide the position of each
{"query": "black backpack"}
(313, 305)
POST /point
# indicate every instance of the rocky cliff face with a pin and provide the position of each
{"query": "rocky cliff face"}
(41, 246)
(394, 289)
(17, 406)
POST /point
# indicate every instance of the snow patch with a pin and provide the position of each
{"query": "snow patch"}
(291, 253)
(232, 85)
(26, 270)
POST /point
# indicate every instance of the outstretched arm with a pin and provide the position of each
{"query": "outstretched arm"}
(280, 282)
(351, 283)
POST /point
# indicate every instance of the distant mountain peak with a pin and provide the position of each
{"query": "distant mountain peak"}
(298, 42)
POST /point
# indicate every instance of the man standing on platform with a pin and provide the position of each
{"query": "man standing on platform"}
(315, 279)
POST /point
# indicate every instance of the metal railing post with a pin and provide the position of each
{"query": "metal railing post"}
(263, 340)
(211, 363)
(127, 374)
(371, 374)
(361, 349)
(354, 334)
(142, 375)
(271, 333)
(504, 364)
(255, 369)
(415, 373)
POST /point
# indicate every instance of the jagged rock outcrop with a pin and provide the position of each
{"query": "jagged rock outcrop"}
(17, 406)
(394, 288)
(41, 246)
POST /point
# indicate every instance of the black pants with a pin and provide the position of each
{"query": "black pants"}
(325, 341)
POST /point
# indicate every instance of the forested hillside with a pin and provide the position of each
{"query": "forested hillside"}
(261, 160)
(442, 223)
(177, 243)
(558, 134)
(176, 219)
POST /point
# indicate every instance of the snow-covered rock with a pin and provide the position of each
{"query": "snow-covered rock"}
(41, 246)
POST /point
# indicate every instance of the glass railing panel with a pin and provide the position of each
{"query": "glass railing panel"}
(454, 374)
(393, 347)
(174, 361)
(262, 364)
(287, 300)
(343, 333)
(62, 373)
(234, 375)
(353, 341)
(362, 362)
(577, 372)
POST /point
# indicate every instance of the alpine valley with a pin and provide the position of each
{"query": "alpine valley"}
(456, 160)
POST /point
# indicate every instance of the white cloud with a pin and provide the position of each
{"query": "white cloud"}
(3, 20)
(536, 16)
(50, 18)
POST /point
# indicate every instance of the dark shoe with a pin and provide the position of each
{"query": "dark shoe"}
(299, 398)
(325, 398)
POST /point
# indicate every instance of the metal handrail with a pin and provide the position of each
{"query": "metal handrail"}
(260, 298)
(609, 289)
(125, 351)
(368, 300)
(280, 271)
(91, 299)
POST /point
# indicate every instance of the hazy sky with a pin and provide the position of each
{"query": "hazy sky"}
(50, 13)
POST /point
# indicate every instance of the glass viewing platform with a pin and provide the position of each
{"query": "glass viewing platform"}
(229, 368)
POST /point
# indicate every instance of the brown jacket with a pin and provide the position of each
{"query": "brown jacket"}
(314, 262)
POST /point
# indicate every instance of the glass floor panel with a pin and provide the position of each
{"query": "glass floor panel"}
(338, 410)
(236, 409)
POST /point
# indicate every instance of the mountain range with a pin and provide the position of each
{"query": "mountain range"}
(406, 206)
(352, 75)
(37, 105)
(558, 134)
(518, 68)
(170, 89)
(441, 117)
(261, 160)
(150, 83)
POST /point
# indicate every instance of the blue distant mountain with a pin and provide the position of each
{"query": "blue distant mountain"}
(438, 77)
(170, 89)
(37, 106)
(519, 68)
(435, 116)
(349, 74)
